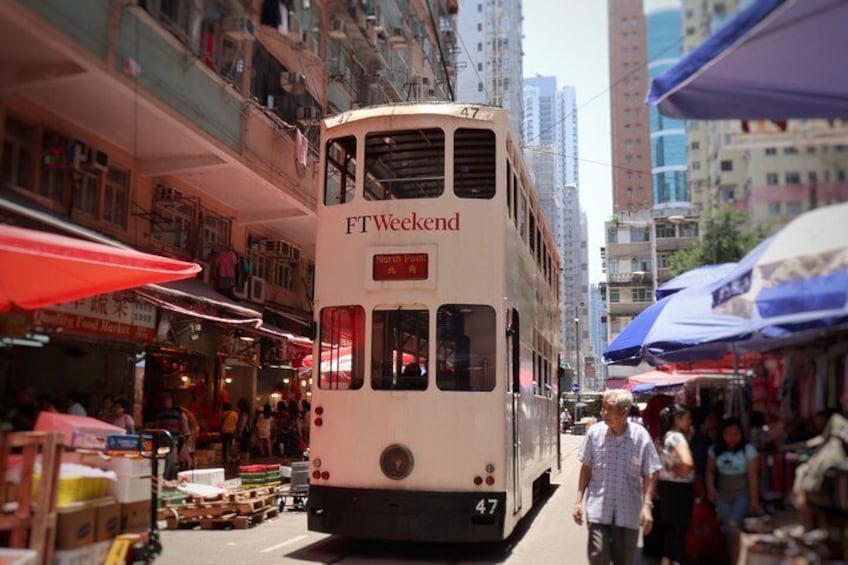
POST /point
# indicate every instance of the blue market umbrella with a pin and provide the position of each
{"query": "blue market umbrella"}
(795, 281)
(678, 328)
(777, 59)
(695, 277)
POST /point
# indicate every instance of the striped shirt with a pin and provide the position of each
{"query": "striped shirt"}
(614, 494)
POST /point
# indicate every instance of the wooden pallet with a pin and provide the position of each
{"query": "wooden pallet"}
(230, 520)
(31, 519)
(217, 508)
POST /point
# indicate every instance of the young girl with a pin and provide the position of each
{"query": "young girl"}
(732, 479)
(675, 487)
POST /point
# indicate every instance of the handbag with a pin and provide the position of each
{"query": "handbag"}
(705, 541)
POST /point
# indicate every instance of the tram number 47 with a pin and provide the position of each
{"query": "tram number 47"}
(486, 506)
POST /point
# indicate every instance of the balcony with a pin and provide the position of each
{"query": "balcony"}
(627, 308)
(631, 249)
(640, 278)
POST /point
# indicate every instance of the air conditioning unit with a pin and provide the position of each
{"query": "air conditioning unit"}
(280, 248)
(98, 160)
(256, 289)
(308, 113)
(239, 28)
(205, 274)
(167, 193)
(293, 82)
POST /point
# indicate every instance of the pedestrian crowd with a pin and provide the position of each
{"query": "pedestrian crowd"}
(630, 480)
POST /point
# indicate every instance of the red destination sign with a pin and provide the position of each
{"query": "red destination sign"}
(400, 267)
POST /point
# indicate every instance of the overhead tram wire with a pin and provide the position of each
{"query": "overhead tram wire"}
(609, 88)
(539, 149)
(468, 53)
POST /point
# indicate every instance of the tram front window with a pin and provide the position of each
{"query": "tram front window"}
(465, 347)
(405, 164)
(399, 349)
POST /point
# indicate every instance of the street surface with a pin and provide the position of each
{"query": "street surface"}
(548, 535)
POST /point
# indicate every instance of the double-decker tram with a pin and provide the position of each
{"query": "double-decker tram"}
(434, 395)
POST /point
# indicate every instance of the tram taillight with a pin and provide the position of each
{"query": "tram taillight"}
(490, 480)
(319, 422)
(478, 481)
(319, 410)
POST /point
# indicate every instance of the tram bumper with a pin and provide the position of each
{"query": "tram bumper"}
(407, 515)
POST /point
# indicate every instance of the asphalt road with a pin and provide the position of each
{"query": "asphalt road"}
(548, 535)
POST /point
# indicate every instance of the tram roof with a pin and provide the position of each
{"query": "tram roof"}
(420, 108)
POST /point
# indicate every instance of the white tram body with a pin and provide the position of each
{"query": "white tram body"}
(434, 411)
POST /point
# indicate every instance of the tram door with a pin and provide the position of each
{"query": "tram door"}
(514, 350)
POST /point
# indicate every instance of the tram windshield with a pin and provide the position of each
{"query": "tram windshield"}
(405, 164)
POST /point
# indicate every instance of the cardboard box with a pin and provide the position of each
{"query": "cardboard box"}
(122, 466)
(107, 523)
(135, 516)
(75, 526)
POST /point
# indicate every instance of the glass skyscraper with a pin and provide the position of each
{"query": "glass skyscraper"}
(668, 136)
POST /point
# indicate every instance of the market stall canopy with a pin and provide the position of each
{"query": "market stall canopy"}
(696, 277)
(776, 60)
(38, 269)
(795, 281)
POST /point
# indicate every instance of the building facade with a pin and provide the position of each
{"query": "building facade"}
(631, 140)
(550, 126)
(189, 129)
(668, 136)
(490, 56)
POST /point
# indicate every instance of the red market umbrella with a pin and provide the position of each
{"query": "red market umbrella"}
(39, 269)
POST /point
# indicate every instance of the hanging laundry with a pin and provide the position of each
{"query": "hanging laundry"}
(301, 148)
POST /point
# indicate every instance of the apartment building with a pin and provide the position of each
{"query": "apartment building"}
(490, 56)
(190, 129)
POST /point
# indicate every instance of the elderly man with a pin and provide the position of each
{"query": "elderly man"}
(619, 461)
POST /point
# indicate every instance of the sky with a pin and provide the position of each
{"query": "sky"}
(568, 39)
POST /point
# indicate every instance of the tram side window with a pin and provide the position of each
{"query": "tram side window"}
(399, 349)
(465, 347)
(342, 362)
(340, 173)
(474, 168)
(405, 164)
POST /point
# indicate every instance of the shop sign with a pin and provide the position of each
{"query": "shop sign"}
(116, 315)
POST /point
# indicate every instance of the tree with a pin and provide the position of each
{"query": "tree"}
(724, 239)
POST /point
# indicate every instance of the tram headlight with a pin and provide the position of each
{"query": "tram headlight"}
(397, 462)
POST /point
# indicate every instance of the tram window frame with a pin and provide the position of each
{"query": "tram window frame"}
(430, 154)
(533, 233)
(509, 200)
(515, 191)
(479, 151)
(478, 333)
(331, 341)
(343, 193)
(387, 337)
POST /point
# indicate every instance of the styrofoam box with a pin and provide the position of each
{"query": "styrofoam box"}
(18, 556)
(122, 466)
(212, 477)
(100, 551)
(285, 471)
(78, 556)
(130, 489)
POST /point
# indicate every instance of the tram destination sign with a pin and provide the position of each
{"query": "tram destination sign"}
(400, 267)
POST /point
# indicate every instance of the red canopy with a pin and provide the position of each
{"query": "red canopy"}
(38, 269)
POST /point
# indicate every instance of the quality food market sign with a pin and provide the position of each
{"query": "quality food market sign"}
(393, 223)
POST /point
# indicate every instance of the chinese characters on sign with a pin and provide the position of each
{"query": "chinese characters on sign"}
(116, 315)
(400, 267)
